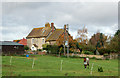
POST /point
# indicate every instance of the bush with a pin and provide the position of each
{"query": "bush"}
(23, 55)
(98, 59)
(61, 50)
(74, 56)
(93, 58)
(26, 47)
(88, 52)
(105, 54)
(103, 50)
(87, 47)
(39, 49)
(3, 54)
(53, 49)
(107, 59)
(100, 69)
(71, 50)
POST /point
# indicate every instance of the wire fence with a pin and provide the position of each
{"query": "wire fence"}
(33, 63)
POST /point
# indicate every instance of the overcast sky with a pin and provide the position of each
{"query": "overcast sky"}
(19, 18)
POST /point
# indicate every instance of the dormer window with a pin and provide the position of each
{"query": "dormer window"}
(43, 31)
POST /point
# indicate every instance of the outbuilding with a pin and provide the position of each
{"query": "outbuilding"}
(10, 48)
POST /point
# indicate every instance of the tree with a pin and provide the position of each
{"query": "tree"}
(82, 36)
(98, 40)
(117, 33)
(114, 43)
(87, 47)
(26, 47)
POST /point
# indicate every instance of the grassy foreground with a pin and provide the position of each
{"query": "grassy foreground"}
(50, 66)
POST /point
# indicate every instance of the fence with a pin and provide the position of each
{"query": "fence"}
(60, 65)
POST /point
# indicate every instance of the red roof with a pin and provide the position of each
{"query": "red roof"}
(23, 41)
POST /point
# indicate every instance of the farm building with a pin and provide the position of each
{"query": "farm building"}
(22, 41)
(8, 47)
(46, 35)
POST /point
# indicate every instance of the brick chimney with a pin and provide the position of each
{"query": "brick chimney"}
(52, 26)
(47, 25)
(65, 27)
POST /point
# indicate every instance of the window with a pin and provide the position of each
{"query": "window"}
(32, 41)
(43, 31)
(42, 40)
(33, 48)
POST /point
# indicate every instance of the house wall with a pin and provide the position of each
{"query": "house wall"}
(51, 42)
(38, 41)
(33, 48)
(29, 44)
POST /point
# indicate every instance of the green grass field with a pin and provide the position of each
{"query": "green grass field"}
(50, 66)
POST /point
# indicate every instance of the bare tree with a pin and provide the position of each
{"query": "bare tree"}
(82, 35)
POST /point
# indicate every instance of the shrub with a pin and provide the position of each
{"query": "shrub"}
(44, 46)
(103, 50)
(105, 54)
(23, 55)
(26, 47)
(74, 57)
(39, 49)
(100, 69)
(3, 54)
(88, 52)
(71, 50)
(93, 58)
(107, 59)
(98, 59)
(53, 49)
(87, 47)
(61, 50)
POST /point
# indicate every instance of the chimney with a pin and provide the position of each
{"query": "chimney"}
(47, 25)
(65, 27)
(52, 26)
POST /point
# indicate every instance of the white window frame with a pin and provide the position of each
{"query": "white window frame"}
(43, 40)
(32, 40)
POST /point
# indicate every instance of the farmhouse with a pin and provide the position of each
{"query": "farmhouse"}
(46, 35)
(8, 47)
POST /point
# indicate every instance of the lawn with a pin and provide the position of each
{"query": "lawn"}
(50, 66)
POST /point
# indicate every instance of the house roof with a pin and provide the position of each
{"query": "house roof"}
(55, 35)
(8, 43)
(39, 32)
(23, 41)
(16, 41)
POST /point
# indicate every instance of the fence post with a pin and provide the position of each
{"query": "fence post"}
(61, 65)
(33, 63)
(91, 68)
(10, 60)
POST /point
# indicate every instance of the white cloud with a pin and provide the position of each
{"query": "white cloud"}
(20, 18)
(15, 32)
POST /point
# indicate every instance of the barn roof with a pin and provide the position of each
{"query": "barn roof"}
(8, 43)
(23, 41)
(16, 41)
